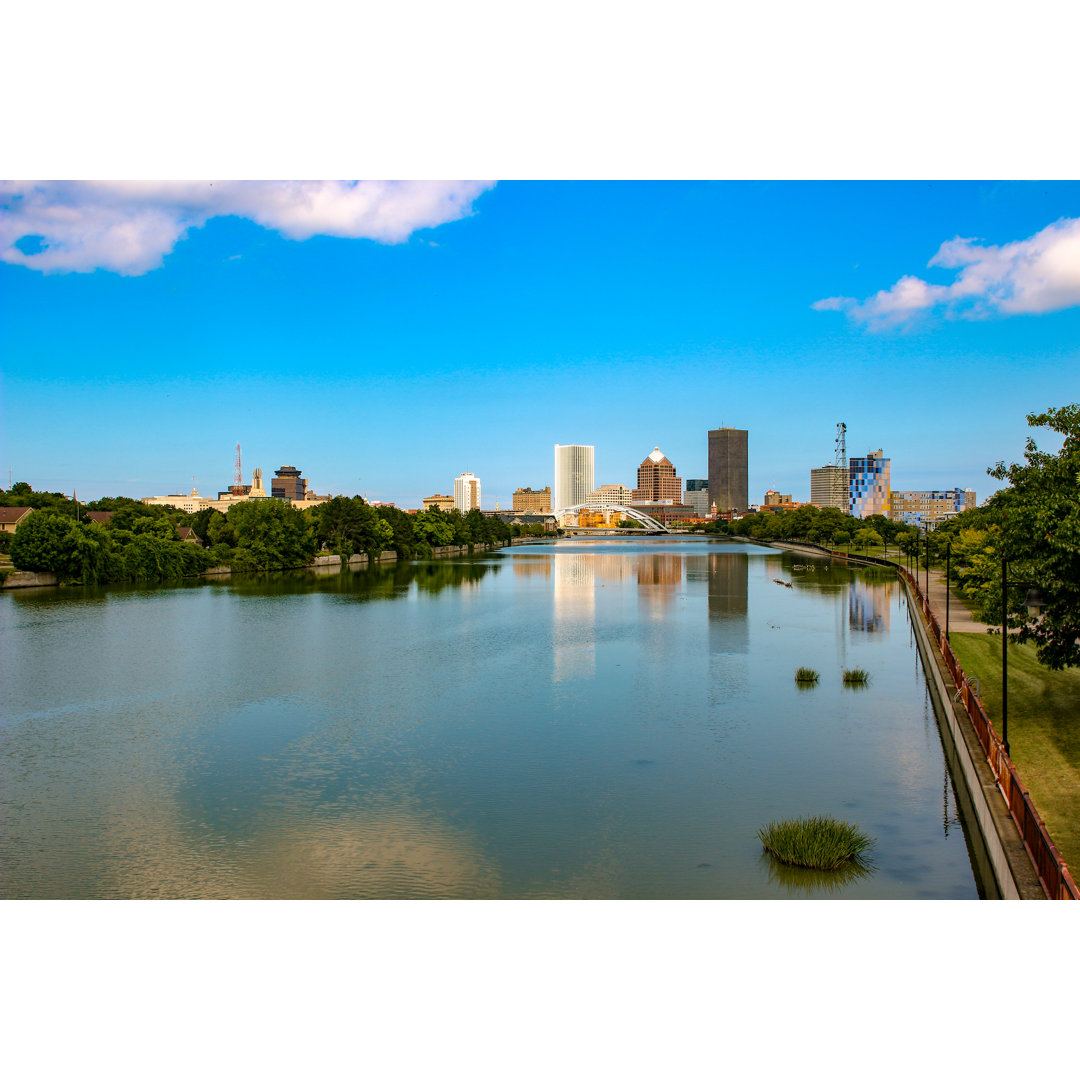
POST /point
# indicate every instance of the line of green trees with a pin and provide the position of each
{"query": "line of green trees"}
(141, 543)
(828, 526)
(88, 552)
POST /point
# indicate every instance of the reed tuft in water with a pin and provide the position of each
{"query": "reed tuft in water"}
(856, 677)
(806, 675)
(820, 843)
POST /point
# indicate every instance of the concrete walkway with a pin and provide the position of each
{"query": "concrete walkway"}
(961, 620)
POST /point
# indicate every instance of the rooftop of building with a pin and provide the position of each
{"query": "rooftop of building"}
(11, 514)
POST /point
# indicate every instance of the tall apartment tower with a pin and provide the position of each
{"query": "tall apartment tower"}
(574, 475)
(829, 486)
(868, 484)
(656, 480)
(729, 479)
(466, 492)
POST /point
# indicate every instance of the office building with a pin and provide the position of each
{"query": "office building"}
(830, 486)
(697, 496)
(774, 498)
(532, 502)
(868, 484)
(929, 508)
(611, 495)
(288, 483)
(729, 480)
(656, 479)
(439, 502)
(574, 475)
(466, 492)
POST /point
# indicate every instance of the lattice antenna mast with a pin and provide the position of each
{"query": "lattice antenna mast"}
(239, 478)
(841, 444)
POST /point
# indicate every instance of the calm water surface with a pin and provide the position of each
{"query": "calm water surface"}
(585, 719)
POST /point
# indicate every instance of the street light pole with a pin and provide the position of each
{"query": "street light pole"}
(948, 562)
(928, 562)
(1004, 655)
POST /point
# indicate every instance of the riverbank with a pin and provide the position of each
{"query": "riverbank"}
(29, 579)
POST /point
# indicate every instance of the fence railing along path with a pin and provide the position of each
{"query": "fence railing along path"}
(1053, 873)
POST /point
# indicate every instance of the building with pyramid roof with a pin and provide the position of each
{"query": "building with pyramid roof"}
(656, 480)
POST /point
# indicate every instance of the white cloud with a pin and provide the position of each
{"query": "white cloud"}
(1039, 274)
(129, 227)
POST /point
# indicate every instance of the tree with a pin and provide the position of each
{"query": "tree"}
(47, 542)
(350, 526)
(402, 534)
(271, 534)
(337, 524)
(137, 517)
(218, 530)
(200, 521)
(865, 538)
(434, 528)
(22, 494)
(1040, 536)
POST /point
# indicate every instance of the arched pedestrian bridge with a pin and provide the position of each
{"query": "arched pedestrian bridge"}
(644, 520)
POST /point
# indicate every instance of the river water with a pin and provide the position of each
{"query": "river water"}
(581, 719)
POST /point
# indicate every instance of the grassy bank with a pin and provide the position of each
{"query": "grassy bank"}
(1044, 730)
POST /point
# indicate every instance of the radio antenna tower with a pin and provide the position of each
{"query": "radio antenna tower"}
(841, 445)
(238, 480)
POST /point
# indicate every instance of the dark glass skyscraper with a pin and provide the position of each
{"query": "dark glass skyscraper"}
(729, 483)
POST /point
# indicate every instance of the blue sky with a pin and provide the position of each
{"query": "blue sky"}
(622, 314)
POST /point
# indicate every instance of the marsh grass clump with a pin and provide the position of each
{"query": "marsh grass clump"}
(856, 677)
(819, 843)
(806, 675)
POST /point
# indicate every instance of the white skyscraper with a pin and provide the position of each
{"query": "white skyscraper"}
(574, 476)
(466, 492)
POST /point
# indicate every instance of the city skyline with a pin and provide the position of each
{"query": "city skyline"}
(903, 309)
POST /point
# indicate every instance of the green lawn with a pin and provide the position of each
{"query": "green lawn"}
(1044, 730)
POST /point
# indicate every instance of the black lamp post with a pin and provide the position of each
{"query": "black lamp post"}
(1004, 655)
(927, 525)
(948, 563)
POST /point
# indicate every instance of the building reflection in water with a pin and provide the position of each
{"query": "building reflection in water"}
(528, 566)
(574, 627)
(869, 603)
(659, 579)
(729, 630)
